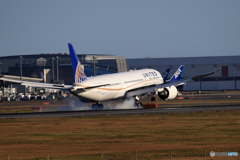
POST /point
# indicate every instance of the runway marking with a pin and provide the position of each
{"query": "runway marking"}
(174, 108)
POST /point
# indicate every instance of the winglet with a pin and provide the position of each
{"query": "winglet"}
(78, 72)
(178, 74)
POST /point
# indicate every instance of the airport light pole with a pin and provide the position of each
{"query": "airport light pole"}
(57, 69)
(94, 68)
(0, 68)
(53, 67)
(97, 69)
(20, 67)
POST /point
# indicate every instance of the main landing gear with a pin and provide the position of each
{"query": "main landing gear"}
(153, 99)
(137, 103)
(97, 106)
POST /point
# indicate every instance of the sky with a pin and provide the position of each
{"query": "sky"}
(130, 28)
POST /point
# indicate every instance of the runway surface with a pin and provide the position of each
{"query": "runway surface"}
(214, 101)
(199, 108)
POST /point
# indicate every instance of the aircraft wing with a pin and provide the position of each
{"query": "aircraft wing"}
(52, 86)
(37, 84)
(153, 88)
(182, 81)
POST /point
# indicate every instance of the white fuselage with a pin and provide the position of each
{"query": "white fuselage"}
(116, 84)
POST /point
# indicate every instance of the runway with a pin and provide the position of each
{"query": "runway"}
(214, 101)
(199, 108)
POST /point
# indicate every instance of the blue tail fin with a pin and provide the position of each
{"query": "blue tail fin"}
(178, 74)
(78, 72)
(165, 75)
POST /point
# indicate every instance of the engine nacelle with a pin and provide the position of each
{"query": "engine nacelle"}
(168, 93)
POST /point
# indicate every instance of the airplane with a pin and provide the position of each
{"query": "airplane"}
(115, 86)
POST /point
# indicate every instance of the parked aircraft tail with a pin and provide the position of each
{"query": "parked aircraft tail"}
(178, 74)
(78, 72)
(165, 75)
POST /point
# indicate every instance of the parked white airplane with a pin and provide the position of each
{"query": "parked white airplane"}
(114, 86)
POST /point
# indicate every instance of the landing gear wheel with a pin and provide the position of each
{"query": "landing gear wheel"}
(140, 105)
(137, 104)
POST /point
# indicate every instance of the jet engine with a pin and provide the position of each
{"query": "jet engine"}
(168, 93)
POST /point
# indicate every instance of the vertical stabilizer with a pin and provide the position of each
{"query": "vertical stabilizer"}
(178, 74)
(165, 75)
(78, 72)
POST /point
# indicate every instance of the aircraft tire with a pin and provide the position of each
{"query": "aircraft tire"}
(137, 104)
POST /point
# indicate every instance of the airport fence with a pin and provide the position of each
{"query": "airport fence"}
(153, 154)
(174, 154)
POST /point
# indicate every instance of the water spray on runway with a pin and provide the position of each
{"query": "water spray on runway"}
(72, 103)
(126, 104)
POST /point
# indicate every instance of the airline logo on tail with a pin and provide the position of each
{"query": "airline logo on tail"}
(177, 75)
(78, 72)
